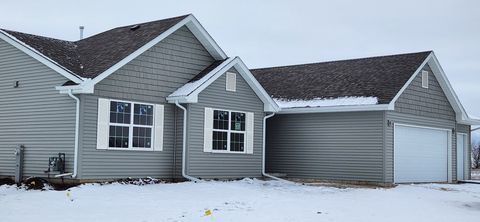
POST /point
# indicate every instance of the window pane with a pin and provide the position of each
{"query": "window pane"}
(238, 121)
(120, 112)
(237, 142)
(220, 119)
(219, 140)
(143, 114)
(142, 137)
(118, 136)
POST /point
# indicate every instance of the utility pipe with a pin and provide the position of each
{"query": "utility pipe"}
(263, 151)
(77, 123)
(184, 144)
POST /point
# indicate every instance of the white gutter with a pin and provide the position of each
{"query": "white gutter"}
(184, 144)
(77, 123)
(263, 151)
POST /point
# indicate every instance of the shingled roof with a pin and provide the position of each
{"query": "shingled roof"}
(381, 77)
(91, 56)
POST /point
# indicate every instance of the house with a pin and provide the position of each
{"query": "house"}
(128, 102)
(161, 99)
(387, 119)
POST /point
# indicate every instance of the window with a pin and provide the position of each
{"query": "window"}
(425, 79)
(130, 125)
(228, 132)
(231, 84)
(126, 125)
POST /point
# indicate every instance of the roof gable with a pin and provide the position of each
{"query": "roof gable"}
(461, 115)
(189, 92)
(100, 55)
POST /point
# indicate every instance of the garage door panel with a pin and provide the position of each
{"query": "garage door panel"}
(420, 155)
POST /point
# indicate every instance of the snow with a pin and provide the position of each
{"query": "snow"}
(324, 102)
(246, 200)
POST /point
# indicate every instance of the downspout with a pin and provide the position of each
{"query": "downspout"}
(77, 123)
(184, 144)
(263, 151)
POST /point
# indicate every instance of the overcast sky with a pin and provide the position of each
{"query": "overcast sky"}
(271, 33)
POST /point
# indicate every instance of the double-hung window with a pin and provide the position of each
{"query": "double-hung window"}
(129, 125)
(228, 131)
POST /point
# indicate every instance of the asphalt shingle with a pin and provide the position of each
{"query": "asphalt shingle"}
(380, 77)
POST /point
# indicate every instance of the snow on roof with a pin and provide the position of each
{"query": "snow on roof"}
(323, 102)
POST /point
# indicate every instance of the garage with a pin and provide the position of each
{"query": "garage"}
(420, 154)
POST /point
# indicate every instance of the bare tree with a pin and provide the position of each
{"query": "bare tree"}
(476, 157)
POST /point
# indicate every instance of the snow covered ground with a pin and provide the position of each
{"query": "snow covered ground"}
(246, 200)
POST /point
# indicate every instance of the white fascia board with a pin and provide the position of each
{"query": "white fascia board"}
(332, 109)
(432, 61)
(469, 122)
(205, 38)
(191, 23)
(39, 57)
(269, 104)
(448, 89)
(192, 96)
(404, 87)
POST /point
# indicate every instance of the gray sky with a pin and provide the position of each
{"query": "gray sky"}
(271, 33)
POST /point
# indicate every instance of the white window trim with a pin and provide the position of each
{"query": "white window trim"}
(130, 127)
(229, 131)
(425, 80)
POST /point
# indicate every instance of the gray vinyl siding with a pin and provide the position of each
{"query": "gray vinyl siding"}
(332, 146)
(34, 114)
(423, 107)
(221, 165)
(150, 78)
(468, 158)
(430, 102)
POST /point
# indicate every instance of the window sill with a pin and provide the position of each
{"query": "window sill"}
(228, 152)
(131, 149)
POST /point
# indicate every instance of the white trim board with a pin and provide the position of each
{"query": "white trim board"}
(40, 57)
(188, 93)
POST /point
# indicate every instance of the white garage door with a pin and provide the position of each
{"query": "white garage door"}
(420, 155)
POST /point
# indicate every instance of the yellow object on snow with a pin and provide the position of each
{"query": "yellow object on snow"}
(208, 212)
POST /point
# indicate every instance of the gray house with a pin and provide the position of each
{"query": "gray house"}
(161, 99)
(144, 100)
(388, 119)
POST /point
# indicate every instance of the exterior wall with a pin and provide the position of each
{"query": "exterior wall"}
(222, 165)
(424, 107)
(468, 159)
(151, 77)
(34, 114)
(332, 146)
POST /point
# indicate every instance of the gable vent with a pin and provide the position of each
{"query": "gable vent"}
(231, 84)
(135, 27)
(425, 79)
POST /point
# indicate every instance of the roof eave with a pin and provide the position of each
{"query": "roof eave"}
(330, 109)
(40, 57)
